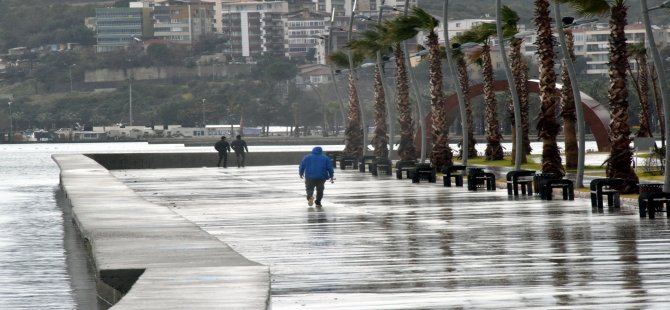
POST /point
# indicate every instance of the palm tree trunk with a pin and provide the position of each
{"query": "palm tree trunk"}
(619, 163)
(465, 87)
(353, 142)
(643, 83)
(547, 125)
(658, 103)
(381, 139)
(440, 155)
(494, 150)
(568, 111)
(406, 148)
(520, 72)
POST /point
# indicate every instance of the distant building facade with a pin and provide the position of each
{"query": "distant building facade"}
(117, 27)
(183, 21)
(301, 32)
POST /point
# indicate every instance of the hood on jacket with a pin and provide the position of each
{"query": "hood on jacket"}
(317, 150)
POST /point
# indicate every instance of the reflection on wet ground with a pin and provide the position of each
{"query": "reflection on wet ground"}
(382, 243)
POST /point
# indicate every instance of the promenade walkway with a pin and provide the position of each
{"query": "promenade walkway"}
(382, 243)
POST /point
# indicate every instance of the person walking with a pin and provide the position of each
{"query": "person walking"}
(223, 148)
(240, 148)
(316, 168)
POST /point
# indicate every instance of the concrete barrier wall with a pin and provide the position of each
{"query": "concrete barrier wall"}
(148, 257)
(191, 160)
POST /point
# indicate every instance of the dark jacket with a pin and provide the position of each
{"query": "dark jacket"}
(239, 146)
(222, 146)
(316, 166)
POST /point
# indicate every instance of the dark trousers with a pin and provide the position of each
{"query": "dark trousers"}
(240, 159)
(319, 185)
(223, 156)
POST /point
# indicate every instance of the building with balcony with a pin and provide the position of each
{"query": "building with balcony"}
(301, 32)
(116, 28)
(182, 21)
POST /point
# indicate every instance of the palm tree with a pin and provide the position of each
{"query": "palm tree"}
(520, 74)
(420, 20)
(547, 125)
(406, 148)
(353, 141)
(619, 163)
(370, 43)
(481, 34)
(568, 111)
(658, 102)
(464, 81)
(638, 52)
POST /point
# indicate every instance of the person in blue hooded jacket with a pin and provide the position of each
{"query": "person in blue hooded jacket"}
(316, 168)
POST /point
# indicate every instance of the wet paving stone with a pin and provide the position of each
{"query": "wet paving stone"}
(382, 243)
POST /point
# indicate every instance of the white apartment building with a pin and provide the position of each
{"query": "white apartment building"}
(183, 21)
(301, 32)
(343, 7)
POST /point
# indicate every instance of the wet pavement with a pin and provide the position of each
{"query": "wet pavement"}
(382, 243)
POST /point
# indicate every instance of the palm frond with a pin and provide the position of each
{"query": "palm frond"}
(368, 43)
(636, 49)
(426, 21)
(339, 59)
(510, 20)
(402, 28)
(589, 8)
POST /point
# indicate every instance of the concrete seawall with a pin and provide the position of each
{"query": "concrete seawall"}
(191, 160)
(148, 257)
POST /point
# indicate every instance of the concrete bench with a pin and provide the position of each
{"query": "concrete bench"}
(365, 161)
(404, 167)
(335, 156)
(455, 171)
(605, 187)
(477, 178)
(655, 203)
(381, 164)
(647, 191)
(564, 184)
(520, 178)
(423, 171)
(540, 180)
(348, 161)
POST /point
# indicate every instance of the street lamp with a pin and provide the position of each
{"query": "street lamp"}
(660, 71)
(11, 123)
(203, 112)
(569, 21)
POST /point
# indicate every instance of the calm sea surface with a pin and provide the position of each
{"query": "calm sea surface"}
(42, 264)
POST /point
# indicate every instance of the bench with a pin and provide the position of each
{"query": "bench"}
(540, 180)
(423, 171)
(335, 156)
(606, 187)
(348, 161)
(365, 161)
(454, 171)
(381, 164)
(522, 178)
(406, 166)
(647, 190)
(566, 185)
(477, 178)
(655, 203)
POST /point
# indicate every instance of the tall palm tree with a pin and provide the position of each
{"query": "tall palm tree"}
(547, 126)
(638, 52)
(658, 103)
(406, 148)
(353, 141)
(370, 43)
(519, 68)
(568, 111)
(619, 163)
(464, 81)
(420, 20)
(481, 34)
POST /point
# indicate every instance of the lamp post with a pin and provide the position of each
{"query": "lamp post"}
(353, 76)
(70, 69)
(457, 84)
(203, 112)
(130, 102)
(11, 123)
(660, 71)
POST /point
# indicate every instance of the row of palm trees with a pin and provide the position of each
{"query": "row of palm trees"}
(386, 38)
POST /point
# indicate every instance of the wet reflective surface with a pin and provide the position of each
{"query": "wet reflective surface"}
(382, 243)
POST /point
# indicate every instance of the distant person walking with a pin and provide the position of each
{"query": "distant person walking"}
(316, 168)
(223, 148)
(240, 148)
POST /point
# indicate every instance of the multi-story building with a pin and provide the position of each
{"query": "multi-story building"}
(301, 30)
(343, 7)
(252, 28)
(183, 21)
(117, 27)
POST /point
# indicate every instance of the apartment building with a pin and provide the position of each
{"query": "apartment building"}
(301, 32)
(343, 7)
(182, 22)
(252, 28)
(118, 27)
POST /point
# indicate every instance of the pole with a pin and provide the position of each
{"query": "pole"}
(518, 143)
(70, 78)
(353, 76)
(457, 84)
(130, 101)
(417, 96)
(579, 109)
(663, 84)
(203, 112)
(11, 124)
(380, 65)
(332, 71)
